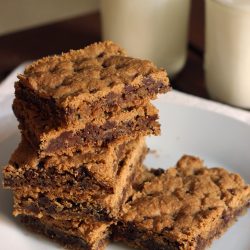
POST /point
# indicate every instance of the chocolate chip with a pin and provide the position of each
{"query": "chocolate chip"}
(148, 81)
(152, 244)
(157, 172)
(132, 232)
(226, 217)
(201, 243)
(82, 173)
(108, 125)
(154, 86)
(43, 201)
(59, 200)
(95, 134)
(101, 55)
(93, 91)
(51, 209)
(120, 166)
(106, 64)
(129, 88)
(167, 229)
(110, 99)
(33, 208)
(16, 165)
(51, 170)
(40, 165)
(103, 216)
(232, 191)
(69, 183)
(9, 182)
(51, 234)
(29, 174)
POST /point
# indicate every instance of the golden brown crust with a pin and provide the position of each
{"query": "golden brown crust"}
(187, 202)
(49, 73)
(87, 74)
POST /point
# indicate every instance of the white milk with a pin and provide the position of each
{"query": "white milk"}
(151, 29)
(227, 59)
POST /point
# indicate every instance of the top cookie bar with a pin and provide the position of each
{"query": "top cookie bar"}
(82, 83)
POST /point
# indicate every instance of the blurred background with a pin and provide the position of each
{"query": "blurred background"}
(30, 29)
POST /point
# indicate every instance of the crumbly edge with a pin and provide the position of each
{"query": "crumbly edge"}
(24, 170)
(99, 203)
(53, 179)
(44, 134)
(86, 112)
(139, 238)
(58, 205)
(92, 137)
(99, 137)
(57, 208)
(187, 202)
(43, 123)
(60, 236)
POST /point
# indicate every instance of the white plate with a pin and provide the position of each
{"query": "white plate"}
(217, 139)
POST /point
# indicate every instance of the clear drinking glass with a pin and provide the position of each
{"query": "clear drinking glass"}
(227, 53)
(151, 29)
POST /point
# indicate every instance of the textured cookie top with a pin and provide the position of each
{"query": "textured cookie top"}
(187, 201)
(88, 73)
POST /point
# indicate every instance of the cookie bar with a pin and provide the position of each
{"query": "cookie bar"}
(186, 207)
(138, 121)
(78, 85)
(92, 199)
(91, 171)
(84, 234)
(60, 205)
(79, 233)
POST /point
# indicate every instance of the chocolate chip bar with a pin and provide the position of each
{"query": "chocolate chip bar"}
(185, 207)
(84, 234)
(82, 195)
(127, 124)
(74, 87)
(83, 116)
(80, 171)
(76, 233)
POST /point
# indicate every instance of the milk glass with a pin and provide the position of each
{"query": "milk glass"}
(227, 53)
(150, 29)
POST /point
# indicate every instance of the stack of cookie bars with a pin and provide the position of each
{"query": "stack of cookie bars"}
(83, 117)
(77, 174)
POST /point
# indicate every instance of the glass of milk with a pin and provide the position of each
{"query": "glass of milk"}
(227, 55)
(149, 29)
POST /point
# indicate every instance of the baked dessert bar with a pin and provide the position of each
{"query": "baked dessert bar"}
(84, 234)
(75, 200)
(80, 171)
(78, 233)
(129, 124)
(184, 208)
(74, 87)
